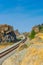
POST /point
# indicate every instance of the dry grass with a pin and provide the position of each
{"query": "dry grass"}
(4, 45)
(21, 47)
(40, 35)
(33, 57)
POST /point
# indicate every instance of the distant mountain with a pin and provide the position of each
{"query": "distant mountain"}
(26, 34)
(16, 32)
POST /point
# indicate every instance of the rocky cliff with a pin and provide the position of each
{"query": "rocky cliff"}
(7, 33)
(16, 32)
(38, 28)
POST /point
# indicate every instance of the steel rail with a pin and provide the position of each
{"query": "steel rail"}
(11, 49)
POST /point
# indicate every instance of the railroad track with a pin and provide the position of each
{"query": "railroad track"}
(11, 49)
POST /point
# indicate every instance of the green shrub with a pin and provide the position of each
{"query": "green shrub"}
(32, 35)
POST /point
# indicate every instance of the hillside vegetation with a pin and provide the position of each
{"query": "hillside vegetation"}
(34, 55)
(35, 30)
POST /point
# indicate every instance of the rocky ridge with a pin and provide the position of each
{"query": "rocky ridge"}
(7, 33)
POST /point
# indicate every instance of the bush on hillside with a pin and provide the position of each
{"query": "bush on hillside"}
(32, 35)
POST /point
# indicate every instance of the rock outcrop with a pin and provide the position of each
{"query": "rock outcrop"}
(17, 32)
(38, 28)
(7, 33)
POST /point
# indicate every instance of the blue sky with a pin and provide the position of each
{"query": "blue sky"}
(21, 14)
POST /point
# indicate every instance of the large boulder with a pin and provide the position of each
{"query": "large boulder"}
(7, 33)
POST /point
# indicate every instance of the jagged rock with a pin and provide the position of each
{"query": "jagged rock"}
(38, 28)
(17, 32)
(7, 34)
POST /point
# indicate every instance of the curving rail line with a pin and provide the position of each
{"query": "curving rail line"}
(2, 54)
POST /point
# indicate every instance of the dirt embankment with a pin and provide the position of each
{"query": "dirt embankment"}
(33, 55)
